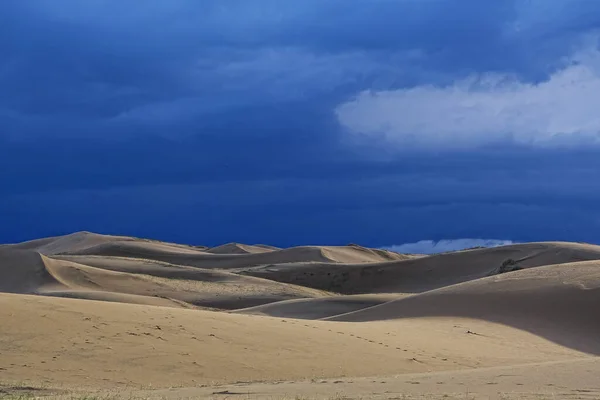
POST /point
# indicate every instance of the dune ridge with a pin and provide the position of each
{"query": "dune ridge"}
(238, 248)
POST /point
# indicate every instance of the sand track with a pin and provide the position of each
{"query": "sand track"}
(182, 286)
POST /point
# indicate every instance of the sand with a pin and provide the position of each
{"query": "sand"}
(130, 317)
(415, 275)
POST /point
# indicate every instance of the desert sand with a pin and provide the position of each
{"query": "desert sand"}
(88, 314)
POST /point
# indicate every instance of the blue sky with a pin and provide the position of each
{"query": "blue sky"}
(381, 122)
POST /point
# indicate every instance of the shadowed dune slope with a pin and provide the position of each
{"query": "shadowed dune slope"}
(558, 302)
(23, 271)
(424, 273)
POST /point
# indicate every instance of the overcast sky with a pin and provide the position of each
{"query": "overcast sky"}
(380, 122)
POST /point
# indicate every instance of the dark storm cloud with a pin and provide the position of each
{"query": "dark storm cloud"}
(374, 211)
(106, 66)
(101, 100)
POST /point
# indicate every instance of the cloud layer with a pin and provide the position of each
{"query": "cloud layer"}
(486, 110)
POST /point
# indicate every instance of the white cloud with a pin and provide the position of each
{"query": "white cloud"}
(432, 247)
(487, 109)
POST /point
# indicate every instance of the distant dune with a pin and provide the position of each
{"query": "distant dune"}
(228, 256)
(237, 248)
(73, 242)
(93, 312)
(415, 275)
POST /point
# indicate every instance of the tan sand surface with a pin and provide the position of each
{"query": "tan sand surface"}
(570, 379)
(102, 344)
(126, 317)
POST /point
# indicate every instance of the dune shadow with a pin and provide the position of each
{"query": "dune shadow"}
(566, 315)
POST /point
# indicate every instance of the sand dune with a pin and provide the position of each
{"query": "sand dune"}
(26, 272)
(73, 242)
(23, 271)
(231, 255)
(425, 273)
(80, 241)
(558, 302)
(108, 278)
(206, 288)
(164, 314)
(130, 345)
